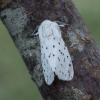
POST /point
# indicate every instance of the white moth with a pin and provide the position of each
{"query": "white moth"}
(54, 54)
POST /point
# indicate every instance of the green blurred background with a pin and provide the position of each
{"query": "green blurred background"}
(15, 81)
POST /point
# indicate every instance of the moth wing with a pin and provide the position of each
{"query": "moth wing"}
(61, 61)
(47, 70)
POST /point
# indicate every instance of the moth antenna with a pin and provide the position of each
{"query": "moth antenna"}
(35, 31)
(61, 24)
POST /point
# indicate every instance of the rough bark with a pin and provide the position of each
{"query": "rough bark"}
(21, 17)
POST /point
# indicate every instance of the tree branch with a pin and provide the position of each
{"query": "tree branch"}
(22, 18)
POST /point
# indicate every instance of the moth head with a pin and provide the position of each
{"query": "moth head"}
(49, 28)
(46, 28)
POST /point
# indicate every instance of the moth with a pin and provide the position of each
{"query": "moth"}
(55, 57)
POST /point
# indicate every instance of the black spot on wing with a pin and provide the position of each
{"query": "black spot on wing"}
(44, 64)
(61, 65)
(44, 55)
(47, 61)
(53, 46)
(49, 56)
(68, 72)
(59, 43)
(58, 58)
(62, 72)
(53, 55)
(61, 52)
(64, 59)
(69, 65)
